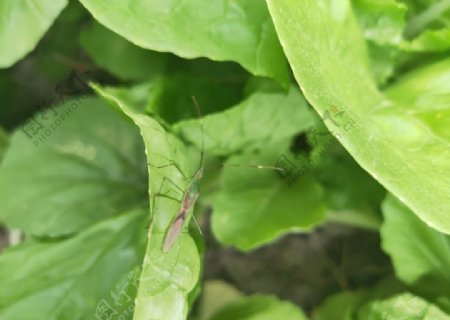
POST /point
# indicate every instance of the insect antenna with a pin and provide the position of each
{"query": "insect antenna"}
(202, 151)
(254, 166)
(199, 114)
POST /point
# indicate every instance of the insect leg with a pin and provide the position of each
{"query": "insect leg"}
(164, 195)
(171, 163)
(198, 226)
(161, 194)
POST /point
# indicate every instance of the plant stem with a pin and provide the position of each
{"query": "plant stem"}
(418, 23)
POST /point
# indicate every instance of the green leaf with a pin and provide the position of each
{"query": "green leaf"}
(421, 255)
(261, 119)
(256, 206)
(119, 56)
(344, 305)
(27, 21)
(403, 306)
(216, 295)
(259, 307)
(352, 196)
(216, 86)
(425, 94)
(58, 53)
(429, 41)
(167, 279)
(382, 24)
(382, 21)
(220, 30)
(363, 305)
(70, 279)
(383, 61)
(340, 306)
(397, 148)
(84, 164)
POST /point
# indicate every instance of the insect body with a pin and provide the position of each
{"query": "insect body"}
(190, 196)
(187, 203)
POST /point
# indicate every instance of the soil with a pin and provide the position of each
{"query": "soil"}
(302, 268)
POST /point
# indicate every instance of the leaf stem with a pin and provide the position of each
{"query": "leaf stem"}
(418, 23)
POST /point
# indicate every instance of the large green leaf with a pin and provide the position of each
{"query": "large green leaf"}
(345, 305)
(328, 55)
(256, 206)
(401, 307)
(260, 120)
(421, 255)
(167, 279)
(120, 57)
(23, 23)
(75, 278)
(84, 164)
(388, 300)
(240, 30)
(259, 307)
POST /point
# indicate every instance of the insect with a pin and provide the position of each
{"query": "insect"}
(187, 202)
(191, 193)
